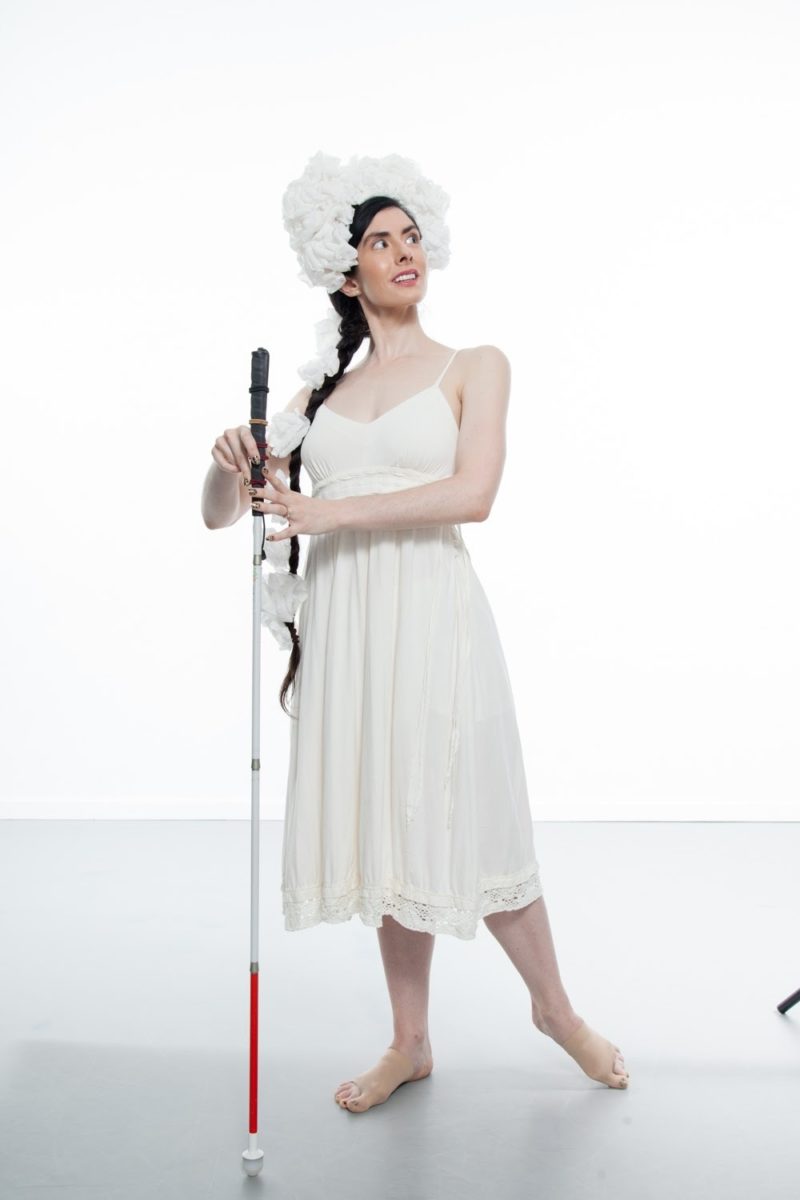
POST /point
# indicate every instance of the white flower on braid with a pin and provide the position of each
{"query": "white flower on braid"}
(281, 595)
(318, 209)
(327, 358)
(285, 431)
(282, 592)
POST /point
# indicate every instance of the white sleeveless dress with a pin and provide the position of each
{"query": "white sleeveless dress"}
(406, 790)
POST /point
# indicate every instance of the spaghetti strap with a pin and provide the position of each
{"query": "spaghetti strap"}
(446, 365)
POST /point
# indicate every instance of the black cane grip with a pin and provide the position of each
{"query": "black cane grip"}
(259, 376)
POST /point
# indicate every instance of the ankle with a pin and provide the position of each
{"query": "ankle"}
(553, 1008)
(413, 1039)
(555, 1017)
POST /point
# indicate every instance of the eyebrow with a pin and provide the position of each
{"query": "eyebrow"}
(385, 232)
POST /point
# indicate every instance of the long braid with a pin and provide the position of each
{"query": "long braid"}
(354, 329)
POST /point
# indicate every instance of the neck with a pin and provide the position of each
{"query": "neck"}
(395, 335)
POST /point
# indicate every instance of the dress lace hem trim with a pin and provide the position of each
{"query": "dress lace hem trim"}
(372, 904)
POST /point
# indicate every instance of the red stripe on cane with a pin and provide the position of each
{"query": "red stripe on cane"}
(254, 1052)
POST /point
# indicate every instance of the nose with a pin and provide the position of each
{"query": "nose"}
(405, 259)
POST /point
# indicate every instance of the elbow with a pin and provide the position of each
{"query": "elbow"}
(219, 522)
(481, 510)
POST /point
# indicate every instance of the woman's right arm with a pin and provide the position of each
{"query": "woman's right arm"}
(225, 496)
(221, 499)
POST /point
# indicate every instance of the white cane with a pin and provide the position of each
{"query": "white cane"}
(252, 1157)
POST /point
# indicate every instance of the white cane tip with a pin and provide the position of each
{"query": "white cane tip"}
(252, 1161)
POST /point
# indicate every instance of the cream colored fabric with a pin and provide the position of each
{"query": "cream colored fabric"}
(406, 791)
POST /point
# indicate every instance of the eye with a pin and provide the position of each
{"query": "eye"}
(378, 241)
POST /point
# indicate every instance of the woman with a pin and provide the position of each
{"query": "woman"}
(406, 798)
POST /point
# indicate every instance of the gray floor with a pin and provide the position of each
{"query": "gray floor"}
(124, 1025)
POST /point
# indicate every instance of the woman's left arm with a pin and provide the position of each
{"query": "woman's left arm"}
(469, 493)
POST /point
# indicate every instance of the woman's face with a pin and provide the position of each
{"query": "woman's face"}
(391, 246)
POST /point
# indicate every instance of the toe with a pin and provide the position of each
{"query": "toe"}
(621, 1075)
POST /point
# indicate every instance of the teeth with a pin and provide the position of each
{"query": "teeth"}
(401, 277)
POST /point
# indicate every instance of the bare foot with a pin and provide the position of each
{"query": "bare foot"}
(594, 1054)
(377, 1084)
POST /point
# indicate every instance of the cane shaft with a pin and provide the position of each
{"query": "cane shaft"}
(258, 422)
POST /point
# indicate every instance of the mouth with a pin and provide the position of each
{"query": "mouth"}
(406, 278)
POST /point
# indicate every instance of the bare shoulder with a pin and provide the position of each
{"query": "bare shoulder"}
(487, 358)
(485, 367)
(299, 401)
(488, 353)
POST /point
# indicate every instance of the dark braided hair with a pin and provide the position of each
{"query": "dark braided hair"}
(354, 328)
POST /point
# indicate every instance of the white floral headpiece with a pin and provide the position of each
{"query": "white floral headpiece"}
(318, 209)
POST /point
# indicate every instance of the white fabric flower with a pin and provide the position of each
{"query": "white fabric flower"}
(285, 431)
(326, 362)
(316, 211)
(277, 553)
(318, 208)
(282, 593)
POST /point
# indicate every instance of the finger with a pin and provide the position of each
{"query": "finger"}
(249, 442)
(221, 460)
(279, 535)
(267, 491)
(237, 450)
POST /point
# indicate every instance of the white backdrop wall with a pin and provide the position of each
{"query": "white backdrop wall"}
(624, 225)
